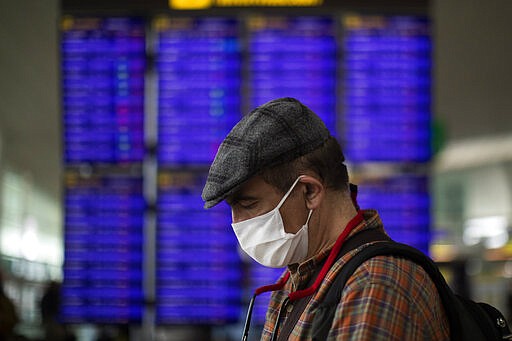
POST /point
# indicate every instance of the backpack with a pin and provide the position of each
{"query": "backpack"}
(468, 320)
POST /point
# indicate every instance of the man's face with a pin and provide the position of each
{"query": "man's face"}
(256, 197)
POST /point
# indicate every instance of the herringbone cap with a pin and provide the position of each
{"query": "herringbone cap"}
(276, 132)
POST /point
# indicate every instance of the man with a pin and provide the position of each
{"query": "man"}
(283, 175)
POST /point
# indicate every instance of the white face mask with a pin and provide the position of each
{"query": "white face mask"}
(265, 240)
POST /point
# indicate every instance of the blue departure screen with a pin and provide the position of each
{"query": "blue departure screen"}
(199, 272)
(206, 70)
(403, 203)
(260, 276)
(103, 254)
(103, 89)
(386, 81)
(294, 57)
(198, 62)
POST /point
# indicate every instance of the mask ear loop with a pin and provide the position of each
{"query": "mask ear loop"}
(286, 197)
(288, 193)
(309, 217)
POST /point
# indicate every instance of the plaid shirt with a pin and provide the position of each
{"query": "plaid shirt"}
(387, 298)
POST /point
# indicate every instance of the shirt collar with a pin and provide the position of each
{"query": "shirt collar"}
(301, 274)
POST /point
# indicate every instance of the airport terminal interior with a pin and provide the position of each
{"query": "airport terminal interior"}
(112, 112)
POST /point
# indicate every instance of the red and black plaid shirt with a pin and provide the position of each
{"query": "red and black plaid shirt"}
(387, 298)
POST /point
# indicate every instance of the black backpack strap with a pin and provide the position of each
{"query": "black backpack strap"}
(325, 314)
(352, 243)
(462, 325)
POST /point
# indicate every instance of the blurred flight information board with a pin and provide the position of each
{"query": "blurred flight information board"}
(103, 70)
(387, 80)
(199, 82)
(258, 276)
(198, 268)
(403, 203)
(104, 219)
(103, 62)
(368, 78)
(294, 57)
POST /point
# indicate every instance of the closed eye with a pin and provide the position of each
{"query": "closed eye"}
(247, 205)
(242, 201)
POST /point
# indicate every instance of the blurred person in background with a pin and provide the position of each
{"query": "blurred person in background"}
(50, 306)
(8, 315)
(509, 302)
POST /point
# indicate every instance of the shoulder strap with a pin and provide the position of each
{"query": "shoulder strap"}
(323, 321)
(352, 243)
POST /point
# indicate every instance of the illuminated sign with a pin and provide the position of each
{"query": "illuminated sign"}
(103, 235)
(386, 88)
(403, 203)
(103, 65)
(204, 4)
(199, 71)
(304, 67)
(367, 77)
(199, 275)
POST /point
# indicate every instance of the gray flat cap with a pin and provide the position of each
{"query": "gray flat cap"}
(276, 132)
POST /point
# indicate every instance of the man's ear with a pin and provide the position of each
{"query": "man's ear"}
(314, 191)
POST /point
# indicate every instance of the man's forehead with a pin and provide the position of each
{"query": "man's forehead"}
(253, 188)
(243, 188)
